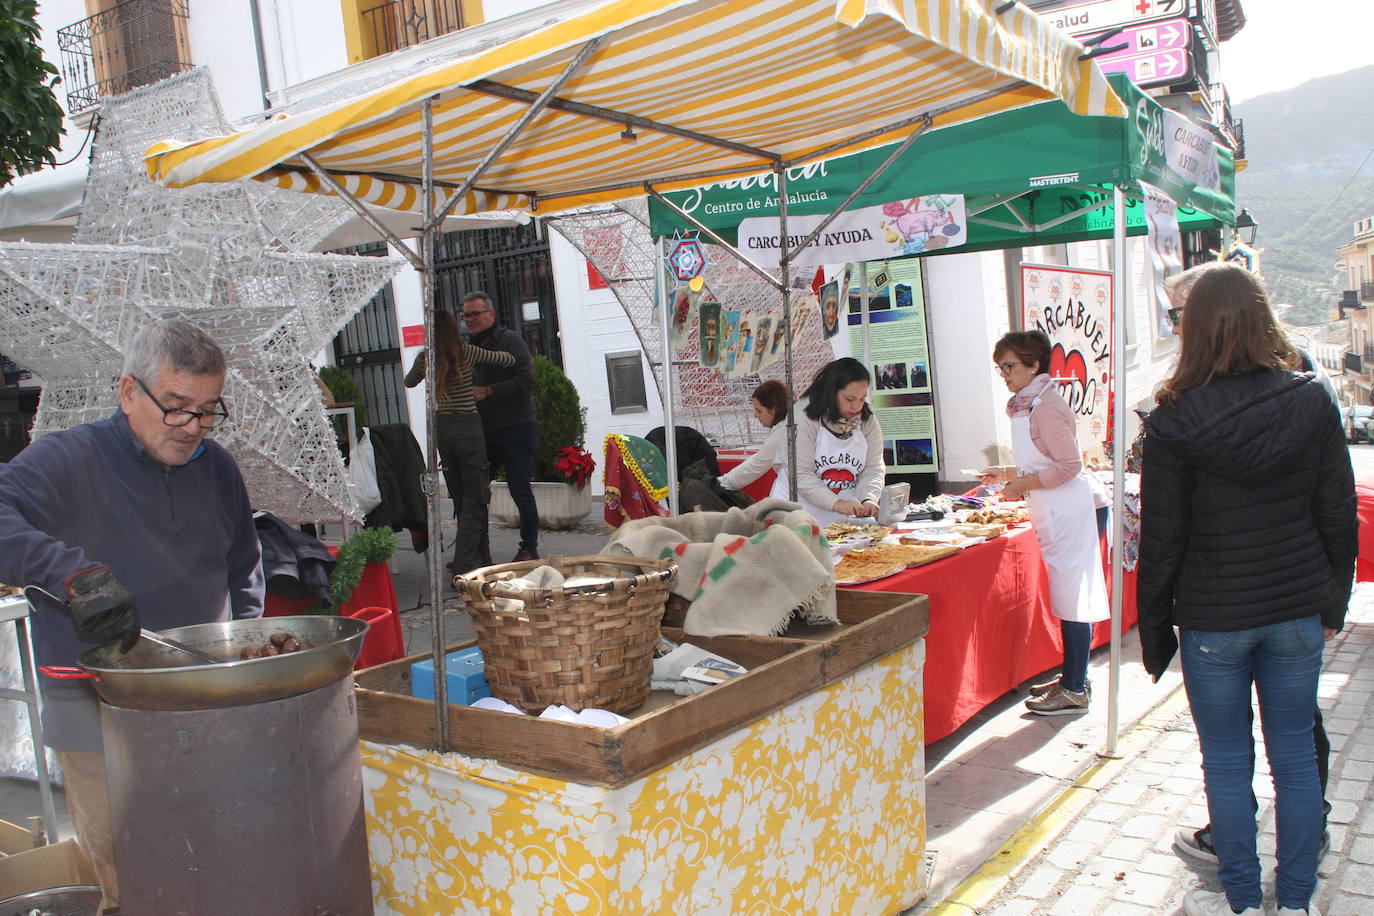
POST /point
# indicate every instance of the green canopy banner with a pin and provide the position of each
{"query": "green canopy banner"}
(1031, 176)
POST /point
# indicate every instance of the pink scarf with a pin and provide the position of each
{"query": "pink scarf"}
(1020, 403)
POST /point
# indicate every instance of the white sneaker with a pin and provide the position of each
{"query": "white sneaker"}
(1201, 902)
(1290, 911)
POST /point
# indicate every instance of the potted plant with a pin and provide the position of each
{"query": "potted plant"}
(562, 468)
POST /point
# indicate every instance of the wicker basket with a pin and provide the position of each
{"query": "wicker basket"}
(582, 646)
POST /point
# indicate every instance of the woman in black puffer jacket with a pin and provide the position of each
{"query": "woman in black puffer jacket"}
(1248, 547)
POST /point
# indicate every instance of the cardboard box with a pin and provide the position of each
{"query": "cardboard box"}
(25, 869)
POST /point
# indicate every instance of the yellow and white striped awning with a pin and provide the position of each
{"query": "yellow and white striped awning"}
(673, 92)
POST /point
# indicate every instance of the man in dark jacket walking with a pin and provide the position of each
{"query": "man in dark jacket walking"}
(505, 399)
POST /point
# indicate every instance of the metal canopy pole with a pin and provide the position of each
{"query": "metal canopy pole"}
(666, 351)
(785, 270)
(1119, 269)
(431, 479)
(715, 239)
(862, 186)
(537, 105)
(357, 206)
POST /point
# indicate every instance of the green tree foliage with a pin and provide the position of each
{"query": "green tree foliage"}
(30, 117)
(559, 414)
(345, 389)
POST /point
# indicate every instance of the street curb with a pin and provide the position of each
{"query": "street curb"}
(982, 886)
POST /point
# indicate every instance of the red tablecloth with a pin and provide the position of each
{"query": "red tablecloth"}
(1364, 560)
(990, 624)
(729, 460)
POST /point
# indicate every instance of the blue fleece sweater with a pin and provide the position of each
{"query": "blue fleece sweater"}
(180, 539)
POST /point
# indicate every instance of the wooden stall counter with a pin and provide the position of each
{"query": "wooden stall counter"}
(797, 787)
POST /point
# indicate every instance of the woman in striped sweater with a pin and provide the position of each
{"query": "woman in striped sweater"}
(462, 447)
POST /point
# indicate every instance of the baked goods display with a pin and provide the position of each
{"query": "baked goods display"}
(886, 559)
(837, 530)
(933, 537)
(856, 568)
(911, 554)
(979, 531)
(998, 515)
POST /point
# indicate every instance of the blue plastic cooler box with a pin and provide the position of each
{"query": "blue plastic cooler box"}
(467, 680)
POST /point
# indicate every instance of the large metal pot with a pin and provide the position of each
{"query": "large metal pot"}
(151, 676)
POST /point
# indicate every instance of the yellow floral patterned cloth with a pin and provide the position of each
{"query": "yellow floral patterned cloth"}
(818, 807)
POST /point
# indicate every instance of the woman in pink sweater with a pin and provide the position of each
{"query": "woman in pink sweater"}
(1049, 474)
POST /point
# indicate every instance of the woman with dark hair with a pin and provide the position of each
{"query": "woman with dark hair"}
(840, 470)
(771, 404)
(462, 447)
(1049, 474)
(1248, 542)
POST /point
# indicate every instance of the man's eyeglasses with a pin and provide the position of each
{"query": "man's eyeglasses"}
(1175, 315)
(468, 316)
(1006, 368)
(175, 416)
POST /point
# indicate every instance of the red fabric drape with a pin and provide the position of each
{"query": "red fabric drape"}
(990, 624)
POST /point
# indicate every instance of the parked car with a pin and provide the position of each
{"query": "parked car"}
(1358, 420)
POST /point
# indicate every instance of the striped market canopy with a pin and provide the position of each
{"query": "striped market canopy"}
(623, 93)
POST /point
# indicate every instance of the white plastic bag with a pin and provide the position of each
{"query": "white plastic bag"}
(362, 475)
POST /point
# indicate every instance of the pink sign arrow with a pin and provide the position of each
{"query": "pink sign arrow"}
(1151, 68)
(1153, 36)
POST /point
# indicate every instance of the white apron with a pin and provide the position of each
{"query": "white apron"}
(1066, 528)
(838, 462)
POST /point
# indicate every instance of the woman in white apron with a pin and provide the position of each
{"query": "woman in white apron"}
(840, 471)
(1049, 473)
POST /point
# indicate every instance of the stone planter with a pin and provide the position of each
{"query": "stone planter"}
(561, 505)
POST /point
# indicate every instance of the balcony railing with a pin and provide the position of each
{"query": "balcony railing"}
(1367, 291)
(1353, 363)
(131, 44)
(401, 23)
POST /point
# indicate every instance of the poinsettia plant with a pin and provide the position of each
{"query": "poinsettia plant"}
(576, 465)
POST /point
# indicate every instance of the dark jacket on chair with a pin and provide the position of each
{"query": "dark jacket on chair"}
(691, 447)
(1247, 510)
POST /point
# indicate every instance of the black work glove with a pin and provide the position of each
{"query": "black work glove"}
(102, 609)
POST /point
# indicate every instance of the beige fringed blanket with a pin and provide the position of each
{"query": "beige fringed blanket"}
(744, 570)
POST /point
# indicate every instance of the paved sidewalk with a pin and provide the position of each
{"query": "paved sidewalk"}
(1104, 846)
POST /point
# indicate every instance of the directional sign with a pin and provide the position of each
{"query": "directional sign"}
(1100, 15)
(1154, 36)
(1153, 68)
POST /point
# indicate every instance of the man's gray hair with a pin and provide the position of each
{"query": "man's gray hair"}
(176, 344)
(478, 294)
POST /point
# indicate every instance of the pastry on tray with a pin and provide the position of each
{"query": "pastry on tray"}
(856, 567)
(933, 538)
(836, 530)
(8, 591)
(979, 531)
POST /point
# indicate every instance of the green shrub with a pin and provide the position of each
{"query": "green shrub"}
(368, 545)
(559, 414)
(346, 390)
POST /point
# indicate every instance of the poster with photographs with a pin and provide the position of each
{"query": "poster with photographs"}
(899, 360)
(744, 350)
(708, 336)
(684, 315)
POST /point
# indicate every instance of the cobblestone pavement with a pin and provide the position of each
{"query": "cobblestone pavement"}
(1113, 855)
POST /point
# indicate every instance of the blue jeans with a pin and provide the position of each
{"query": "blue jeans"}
(1078, 637)
(1283, 661)
(513, 448)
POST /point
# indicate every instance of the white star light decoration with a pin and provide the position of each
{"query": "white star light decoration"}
(234, 259)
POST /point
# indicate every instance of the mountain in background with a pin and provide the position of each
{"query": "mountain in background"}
(1304, 146)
